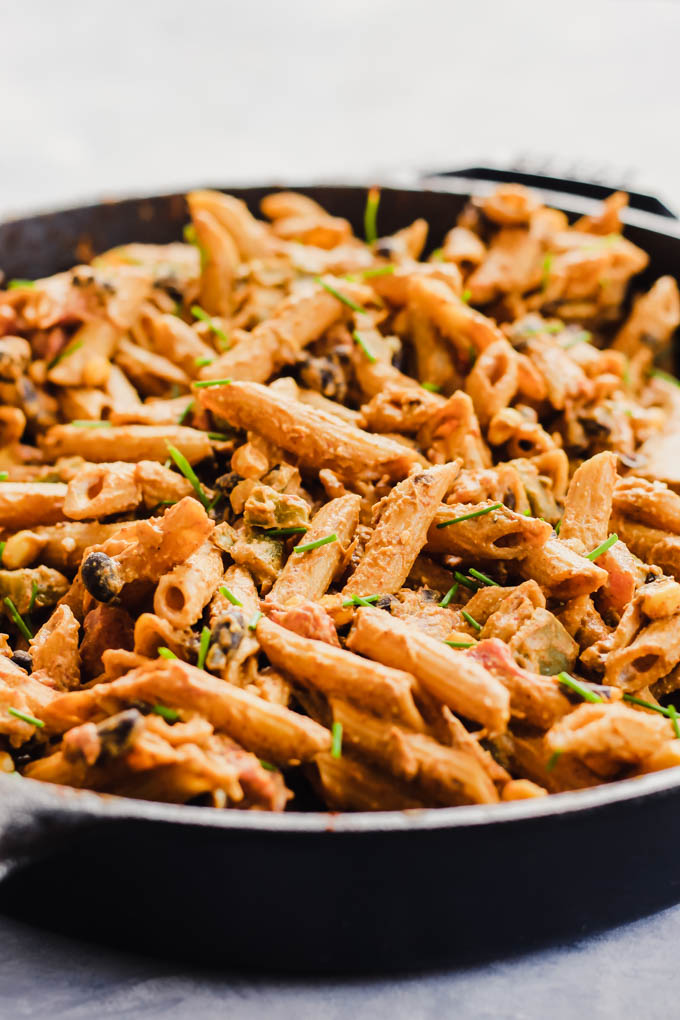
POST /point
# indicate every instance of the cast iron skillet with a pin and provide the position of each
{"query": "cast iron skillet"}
(315, 891)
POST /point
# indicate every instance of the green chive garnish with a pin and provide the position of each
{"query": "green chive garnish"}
(558, 526)
(165, 653)
(34, 595)
(70, 349)
(585, 693)
(368, 274)
(467, 582)
(602, 548)
(202, 362)
(362, 343)
(316, 545)
(212, 382)
(553, 760)
(16, 284)
(460, 644)
(468, 517)
(674, 719)
(660, 374)
(203, 646)
(471, 620)
(186, 412)
(546, 267)
(285, 532)
(255, 620)
(4, 475)
(371, 215)
(336, 745)
(451, 594)
(189, 473)
(17, 618)
(341, 297)
(2, 549)
(25, 717)
(86, 424)
(437, 255)
(219, 437)
(479, 576)
(268, 766)
(169, 714)
(647, 704)
(584, 336)
(200, 313)
(465, 296)
(360, 600)
(432, 387)
(230, 596)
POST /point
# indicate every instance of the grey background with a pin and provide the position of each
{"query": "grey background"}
(99, 99)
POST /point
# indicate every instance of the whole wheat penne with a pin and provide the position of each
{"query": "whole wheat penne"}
(60, 546)
(651, 655)
(560, 571)
(495, 534)
(252, 238)
(318, 440)
(615, 731)
(453, 678)
(187, 588)
(462, 325)
(219, 262)
(150, 372)
(308, 575)
(494, 380)
(125, 442)
(54, 651)
(350, 785)
(653, 545)
(270, 731)
(179, 341)
(443, 775)
(339, 673)
(26, 504)
(589, 500)
(153, 632)
(24, 694)
(650, 503)
(401, 531)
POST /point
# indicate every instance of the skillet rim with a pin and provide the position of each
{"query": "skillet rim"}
(95, 807)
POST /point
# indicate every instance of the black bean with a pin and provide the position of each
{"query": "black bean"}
(101, 576)
(24, 660)
(116, 733)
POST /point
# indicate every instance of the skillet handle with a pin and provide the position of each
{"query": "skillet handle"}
(567, 185)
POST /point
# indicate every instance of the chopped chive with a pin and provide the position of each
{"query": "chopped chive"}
(368, 274)
(191, 237)
(546, 266)
(200, 313)
(437, 255)
(659, 373)
(165, 653)
(527, 512)
(360, 600)
(602, 548)
(189, 473)
(2, 549)
(469, 517)
(558, 526)
(34, 595)
(169, 714)
(212, 382)
(371, 215)
(268, 766)
(17, 618)
(432, 387)
(86, 424)
(674, 719)
(585, 693)
(460, 644)
(584, 336)
(285, 532)
(467, 582)
(229, 595)
(203, 646)
(16, 284)
(465, 297)
(479, 576)
(316, 545)
(472, 355)
(471, 620)
(219, 437)
(25, 717)
(362, 343)
(202, 362)
(255, 620)
(340, 297)
(4, 475)
(336, 745)
(451, 594)
(647, 704)
(553, 760)
(70, 349)
(186, 412)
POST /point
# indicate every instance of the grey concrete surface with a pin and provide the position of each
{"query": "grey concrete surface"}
(141, 96)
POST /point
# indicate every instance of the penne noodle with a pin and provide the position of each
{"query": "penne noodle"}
(495, 534)
(27, 504)
(125, 442)
(182, 593)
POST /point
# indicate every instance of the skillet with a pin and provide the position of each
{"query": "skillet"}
(315, 891)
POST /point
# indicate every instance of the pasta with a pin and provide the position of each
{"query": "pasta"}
(285, 513)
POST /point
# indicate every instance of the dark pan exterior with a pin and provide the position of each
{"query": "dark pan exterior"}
(322, 892)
